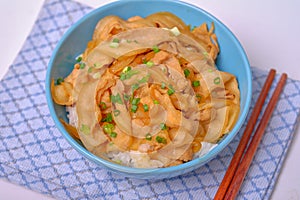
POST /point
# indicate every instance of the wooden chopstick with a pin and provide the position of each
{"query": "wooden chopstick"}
(245, 138)
(249, 154)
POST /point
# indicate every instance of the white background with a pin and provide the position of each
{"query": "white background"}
(268, 30)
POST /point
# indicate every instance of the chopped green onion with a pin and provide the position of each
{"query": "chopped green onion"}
(155, 101)
(199, 97)
(113, 134)
(108, 118)
(126, 69)
(161, 140)
(145, 79)
(144, 61)
(102, 105)
(126, 97)
(82, 65)
(116, 99)
(117, 113)
(155, 49)
(186, 72)
(128, 74)
(116, 40)
(210, 70)
(217, 80)
(108, 128)
(171, 90)
(59, 81)
(135, 86)
(134, 108)
(79, 59)
(128, 41)
(135, 101)
(163, 126)
(97, 65)
(163, 85)
(135, 41)
(90, 69)
(196, 83)
(114, 45)
(150, 63)
(146, 107)
(85, 129)
(148, 136)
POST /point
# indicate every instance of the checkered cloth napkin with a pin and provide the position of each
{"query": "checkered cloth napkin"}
(35, 155)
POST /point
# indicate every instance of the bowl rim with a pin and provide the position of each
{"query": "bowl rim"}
(197, 162)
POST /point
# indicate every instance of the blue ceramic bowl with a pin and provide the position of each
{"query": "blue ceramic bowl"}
(232, 59)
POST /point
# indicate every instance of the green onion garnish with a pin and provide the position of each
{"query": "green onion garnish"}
(59, 81)
(90, 69)
(148, 136)
(171, 90)
(117, 113)
(144, 61)
(161, 140)
(97, 65)
(116, 99)
(135, 101)
(163, 85)
(155, 101)
(186, 72)
(108, 128)
(114, 43)
(128, 73)
(116, 40)
(205, 54)
(102, 105)
(163, 126)
(134, 108)
(146, 107)
(113, 134)
(82, 65)
(126, 69)
(79, 59)
(150, 63)
(85, 129)
(135, 86)
(145, 79)
(126, 97)
(155, 49)
(217, 80)
(108, 118)
(196, 83)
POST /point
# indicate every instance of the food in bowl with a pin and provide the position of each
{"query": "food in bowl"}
(146, 93)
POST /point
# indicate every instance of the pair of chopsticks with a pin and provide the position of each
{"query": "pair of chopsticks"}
(239, 165)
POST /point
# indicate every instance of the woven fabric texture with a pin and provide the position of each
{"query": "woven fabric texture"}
(34, 154)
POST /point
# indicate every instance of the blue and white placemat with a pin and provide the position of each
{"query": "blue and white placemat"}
(35, 155)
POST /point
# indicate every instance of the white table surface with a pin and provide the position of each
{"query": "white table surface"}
(268, 30)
